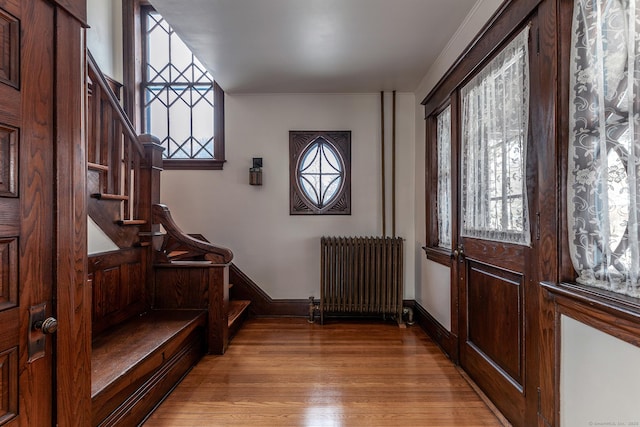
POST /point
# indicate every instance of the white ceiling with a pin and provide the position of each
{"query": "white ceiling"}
(265, 46)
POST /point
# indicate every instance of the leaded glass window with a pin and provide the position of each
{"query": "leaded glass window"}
(320, 172)
(179, 95)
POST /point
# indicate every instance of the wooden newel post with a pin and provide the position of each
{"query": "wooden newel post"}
(150, 187)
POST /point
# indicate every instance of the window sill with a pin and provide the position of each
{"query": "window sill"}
(609, 312)
(439, 255)
(193, 164)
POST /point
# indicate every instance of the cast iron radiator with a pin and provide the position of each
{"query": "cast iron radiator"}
(361, 275)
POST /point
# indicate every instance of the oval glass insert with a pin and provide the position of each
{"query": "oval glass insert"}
(320, 172)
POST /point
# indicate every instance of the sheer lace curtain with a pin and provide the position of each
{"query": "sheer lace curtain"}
(444, 178)
(495, 117)
(604, 145)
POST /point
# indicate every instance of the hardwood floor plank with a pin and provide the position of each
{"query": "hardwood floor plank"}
(287, 372)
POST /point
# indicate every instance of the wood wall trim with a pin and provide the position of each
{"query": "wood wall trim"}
(76, 8)
(262, 305)
(607, 312)
(446, 340)
(73, 294)
(132, 56)
(611, 313)
(503, 22)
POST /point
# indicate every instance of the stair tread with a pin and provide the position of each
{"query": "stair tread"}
(123, 347)
(131, 222)
(108, 196)
(236, 308)
(97, 167)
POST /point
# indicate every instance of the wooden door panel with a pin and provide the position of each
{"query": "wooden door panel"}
(495, 317)
(10, 118)
(8, 273)
(10, 39)
(8, 161)
(8, 384)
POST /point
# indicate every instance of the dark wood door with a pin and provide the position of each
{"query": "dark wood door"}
(26, 210)
(492, 333)
(492, 275)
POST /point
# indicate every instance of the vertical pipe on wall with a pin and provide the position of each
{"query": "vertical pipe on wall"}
(382, 157)
(393, 167)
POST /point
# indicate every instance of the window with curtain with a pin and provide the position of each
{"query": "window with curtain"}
(443, 135)
(495, 117)
(603, 190)
(182, 104)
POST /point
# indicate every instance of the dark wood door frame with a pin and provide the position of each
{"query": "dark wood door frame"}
(73, 293)
(42, 218)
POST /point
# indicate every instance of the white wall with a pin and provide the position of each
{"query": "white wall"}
(104, 37)
(104, 40)
(279, 251)
(97, 240)
(433, 284)
(599, 378)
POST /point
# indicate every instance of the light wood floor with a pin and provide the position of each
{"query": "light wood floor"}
(287, 372)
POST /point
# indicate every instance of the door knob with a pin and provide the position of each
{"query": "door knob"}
(47, 326)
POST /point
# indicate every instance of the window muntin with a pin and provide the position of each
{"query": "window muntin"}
(495, 117)
(179, 96)
(320, 172)
(603, 191)
(443, 141)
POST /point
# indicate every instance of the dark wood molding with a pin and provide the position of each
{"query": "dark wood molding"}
(608, 312)
(73, 295)
(501, 25)
(193, 164)
(447, 341)
(115, 86)
(262, 305)
(76, 8)
(131, 60)
(219, 129)
(440, 255)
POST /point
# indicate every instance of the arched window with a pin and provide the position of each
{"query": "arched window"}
(320, 172)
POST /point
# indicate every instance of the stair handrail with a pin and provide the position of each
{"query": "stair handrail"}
(113, 102)
(176, 237)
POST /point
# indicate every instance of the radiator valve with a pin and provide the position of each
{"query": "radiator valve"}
(313, 307)
(407, 313)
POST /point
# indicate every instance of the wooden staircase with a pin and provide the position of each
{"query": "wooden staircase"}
(160, 301)
(180, 250)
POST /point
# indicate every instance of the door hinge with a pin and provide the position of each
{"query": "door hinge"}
(537, 225)
(540, 414)
(538, 41)
(539, 400)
